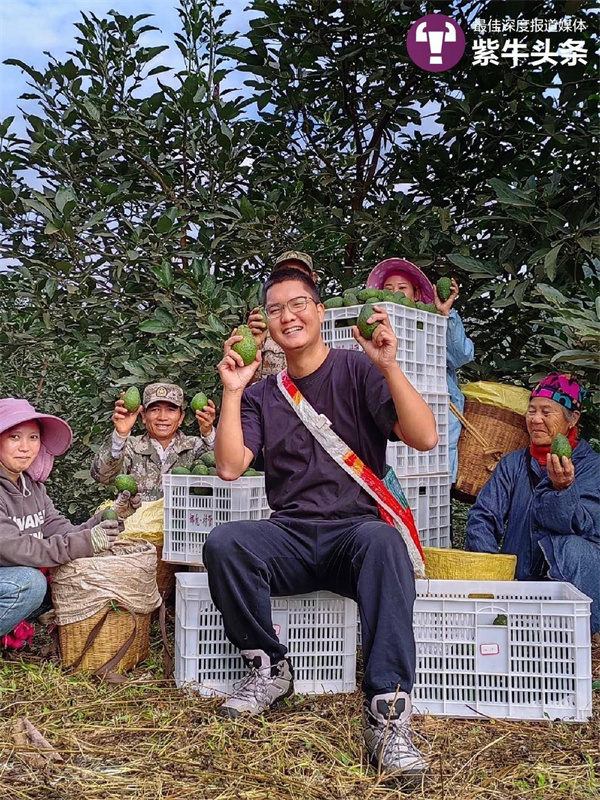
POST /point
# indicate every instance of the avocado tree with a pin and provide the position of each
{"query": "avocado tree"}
(124, 219)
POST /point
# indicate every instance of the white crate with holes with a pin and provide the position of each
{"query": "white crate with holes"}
(195, 504)
(421, 341)
(429, 498)
(517, 650)
(406, 461)
(319, 630)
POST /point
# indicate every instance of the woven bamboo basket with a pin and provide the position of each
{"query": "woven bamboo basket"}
(488, 434)
(165, 574)
(117, 628)
(461, 565)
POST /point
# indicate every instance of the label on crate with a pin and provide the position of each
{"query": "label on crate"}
(200, 521)
(491, 649)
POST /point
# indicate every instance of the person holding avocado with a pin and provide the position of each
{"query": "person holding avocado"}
(542, 503)
(34, 536)
(161, 448)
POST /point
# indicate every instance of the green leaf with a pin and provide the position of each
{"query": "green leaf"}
(51, 228)
(154, 326)
(471, 264)
(247, 209)
(550, 262)
(509, 196)
(63, 196)
(164, 224)
(92, 109)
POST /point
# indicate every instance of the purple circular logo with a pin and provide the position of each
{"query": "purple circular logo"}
(435, 43)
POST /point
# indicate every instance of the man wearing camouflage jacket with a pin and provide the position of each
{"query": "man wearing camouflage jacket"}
(163, 446)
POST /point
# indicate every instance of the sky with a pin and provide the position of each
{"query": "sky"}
(29, 27)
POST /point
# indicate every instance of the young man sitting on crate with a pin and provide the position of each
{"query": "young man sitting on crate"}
(160, 448)
(542, 506)
(325, 531)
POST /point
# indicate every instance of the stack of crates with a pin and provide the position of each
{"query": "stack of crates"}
(425, 477)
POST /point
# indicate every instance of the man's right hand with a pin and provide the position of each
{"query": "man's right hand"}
(258, 327)
(124, 420)
(234, 375)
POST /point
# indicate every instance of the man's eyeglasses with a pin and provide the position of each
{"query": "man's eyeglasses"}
(295, 305)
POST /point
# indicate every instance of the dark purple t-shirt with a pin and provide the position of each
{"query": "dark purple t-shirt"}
(302, 479)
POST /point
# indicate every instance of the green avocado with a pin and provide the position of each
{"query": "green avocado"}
(132, 399)
(208, 458)
(399, 297)
(561, 446)
(388, 296)
(125, 483)
(247, 347)
(407, 302)
(430, 307)
(368, 294)
(350, 299)
(201, 491)
(250, 473)
(212, 470)
(500, 620)
(444, 289)
(420, 305)
(199, 469)
(365, 329)
(334, 302)
(263, 314)
(180, 471)
(110, 513)
(199, 401)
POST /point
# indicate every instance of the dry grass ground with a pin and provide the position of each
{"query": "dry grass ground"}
(144, 740)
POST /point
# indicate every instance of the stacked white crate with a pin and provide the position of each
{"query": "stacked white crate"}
(424, 476)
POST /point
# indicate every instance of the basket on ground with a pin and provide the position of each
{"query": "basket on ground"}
(319, 630)
(405, 460)
(116, 629)
(421, 341)
(517, 650)
(195, 504)
(488, 434)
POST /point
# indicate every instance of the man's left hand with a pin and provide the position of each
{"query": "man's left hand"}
(206, 417)
(126, 504)
(381, 349)
(560, 471)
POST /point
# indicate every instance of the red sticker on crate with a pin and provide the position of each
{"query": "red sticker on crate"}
(489, 649)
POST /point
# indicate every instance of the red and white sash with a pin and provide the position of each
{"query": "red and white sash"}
(390, 508)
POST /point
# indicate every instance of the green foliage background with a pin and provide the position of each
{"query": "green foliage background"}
(142, 206)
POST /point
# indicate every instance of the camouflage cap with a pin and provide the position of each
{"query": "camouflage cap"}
(294, 255)
(163, 392)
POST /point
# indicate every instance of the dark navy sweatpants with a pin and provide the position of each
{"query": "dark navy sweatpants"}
(362, 558)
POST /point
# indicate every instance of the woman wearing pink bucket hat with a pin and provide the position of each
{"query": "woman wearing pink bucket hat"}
(33, 534)
(397, 274)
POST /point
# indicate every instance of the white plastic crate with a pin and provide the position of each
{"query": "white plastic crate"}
(421, 341)
(429, 498)
(319, 630)
(537, 666)
(407, 461)
(190, 517)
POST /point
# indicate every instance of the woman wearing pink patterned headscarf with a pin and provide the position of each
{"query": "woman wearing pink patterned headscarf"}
(33, 535)
(543, 508)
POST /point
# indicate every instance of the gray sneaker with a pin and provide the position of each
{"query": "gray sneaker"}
(388, 736)
(266, 685)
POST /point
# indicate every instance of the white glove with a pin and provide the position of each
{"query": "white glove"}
(104, 534)
(125, 505)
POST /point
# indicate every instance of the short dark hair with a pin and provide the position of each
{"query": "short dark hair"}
(283, 275)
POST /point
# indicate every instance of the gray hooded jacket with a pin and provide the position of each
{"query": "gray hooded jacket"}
(33, 533)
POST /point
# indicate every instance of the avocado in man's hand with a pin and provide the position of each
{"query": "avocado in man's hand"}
(444, 289)
(109, 513)
(366, 330)
(247, 347)
(199, 401)
(125, 483)
(132, 399)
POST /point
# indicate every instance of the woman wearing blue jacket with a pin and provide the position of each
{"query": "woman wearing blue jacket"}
(399, 275)
(542, 508)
